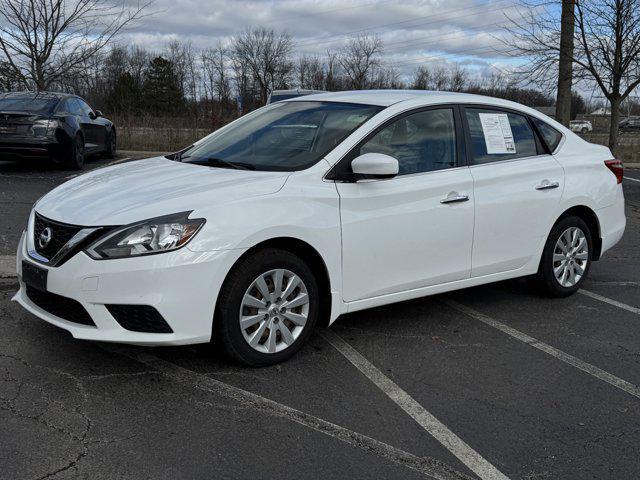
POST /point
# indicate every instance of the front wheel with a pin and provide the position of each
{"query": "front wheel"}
(584, 130)
(267, 308)
(566, 258)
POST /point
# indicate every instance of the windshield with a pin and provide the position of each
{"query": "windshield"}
(28, 104)
(281, 137)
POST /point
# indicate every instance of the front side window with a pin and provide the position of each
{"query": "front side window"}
(421, 142)
(284, 136)
(498, 135)
(74, 107)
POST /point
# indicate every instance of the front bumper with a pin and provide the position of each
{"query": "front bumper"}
(182, 286)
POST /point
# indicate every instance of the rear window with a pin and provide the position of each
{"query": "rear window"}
(28, 104)
(550, 135)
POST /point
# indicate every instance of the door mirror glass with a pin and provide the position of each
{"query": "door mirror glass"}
(374, 166)
(99, 114)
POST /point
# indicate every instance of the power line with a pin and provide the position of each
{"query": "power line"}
(315, 40)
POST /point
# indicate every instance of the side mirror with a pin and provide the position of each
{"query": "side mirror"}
(374, 166)
(99, 114)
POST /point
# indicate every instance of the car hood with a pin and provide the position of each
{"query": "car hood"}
(138, 190)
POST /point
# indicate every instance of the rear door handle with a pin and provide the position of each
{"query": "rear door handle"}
(455, 198)
(547, 185)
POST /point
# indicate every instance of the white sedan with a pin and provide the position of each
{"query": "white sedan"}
(317, 206)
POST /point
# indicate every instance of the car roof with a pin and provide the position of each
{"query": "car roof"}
(385, 98)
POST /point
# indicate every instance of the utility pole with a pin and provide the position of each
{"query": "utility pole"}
(565, 64)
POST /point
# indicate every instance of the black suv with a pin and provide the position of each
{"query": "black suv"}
(57, 126)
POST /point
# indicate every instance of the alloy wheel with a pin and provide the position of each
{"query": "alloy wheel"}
(274, 311)
(570, 257)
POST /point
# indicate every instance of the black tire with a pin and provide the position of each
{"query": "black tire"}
(584, 130)
(545, 278)
(111, 147)
(75, 154)
(226, 327)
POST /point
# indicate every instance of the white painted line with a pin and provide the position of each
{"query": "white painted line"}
(467, 455)
(429, 467)
(610, 301)
(632, 179)
(548, 349)
(7, 266)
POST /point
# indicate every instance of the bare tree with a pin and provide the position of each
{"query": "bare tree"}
(458, 78)
(214, 64)
(421, 78)
(44, 40)
(183, 57)
(606, 48)
(565, 63)
(310, 72)
(267, 55)
(439, 78)
(359, 58)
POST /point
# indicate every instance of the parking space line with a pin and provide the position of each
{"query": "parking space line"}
(632, 179)
(430, 467)
(548, 349)
(610, 301)
(467, 455)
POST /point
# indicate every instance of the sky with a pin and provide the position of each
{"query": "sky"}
(414, 32)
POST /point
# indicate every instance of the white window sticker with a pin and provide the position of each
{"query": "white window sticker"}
(497, 133)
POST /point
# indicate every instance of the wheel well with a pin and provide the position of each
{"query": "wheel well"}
(591, 219)
(312, 258)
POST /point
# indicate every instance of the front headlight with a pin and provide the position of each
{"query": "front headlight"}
(156, 235)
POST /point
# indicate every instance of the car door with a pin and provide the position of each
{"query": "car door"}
(79, 110)
(93, 127)
(517, 186)
(416, 229)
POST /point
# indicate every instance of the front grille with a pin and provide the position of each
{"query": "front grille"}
(62, 307)
(139, 318)
(61, 233)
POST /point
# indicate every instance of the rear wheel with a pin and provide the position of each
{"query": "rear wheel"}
(566, 258)
(267, 308)
(75, 154)
(584, 130)
(111, 145)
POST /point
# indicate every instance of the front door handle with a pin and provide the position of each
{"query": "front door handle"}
(455, 198)
(547, 185)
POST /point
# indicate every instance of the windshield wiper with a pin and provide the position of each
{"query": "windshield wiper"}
(218, 162)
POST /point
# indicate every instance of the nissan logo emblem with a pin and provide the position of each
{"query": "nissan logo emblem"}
(45, 237)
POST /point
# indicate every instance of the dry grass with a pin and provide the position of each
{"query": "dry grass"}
(159, 133)
(628, 145)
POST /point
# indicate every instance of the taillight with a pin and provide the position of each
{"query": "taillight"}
(616, 167)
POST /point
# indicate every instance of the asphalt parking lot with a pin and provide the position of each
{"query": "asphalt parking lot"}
(492, 382)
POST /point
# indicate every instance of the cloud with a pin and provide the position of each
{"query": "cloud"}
(413, 31)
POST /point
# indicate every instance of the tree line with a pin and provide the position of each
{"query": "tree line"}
(225, 80)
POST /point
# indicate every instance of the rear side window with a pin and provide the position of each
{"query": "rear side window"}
(498, 135)
(550, 135)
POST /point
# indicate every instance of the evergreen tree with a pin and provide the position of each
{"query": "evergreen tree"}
(163, 94)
